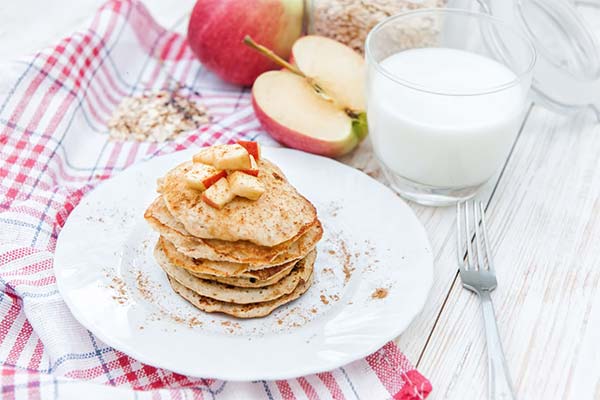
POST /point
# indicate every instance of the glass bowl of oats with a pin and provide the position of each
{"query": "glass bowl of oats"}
(349, 21)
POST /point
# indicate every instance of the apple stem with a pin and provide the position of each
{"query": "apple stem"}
(270, 54)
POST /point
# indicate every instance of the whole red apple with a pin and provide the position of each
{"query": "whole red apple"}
(217, 29)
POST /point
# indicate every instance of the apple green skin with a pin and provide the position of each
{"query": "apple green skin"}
(217, 29)
(300, 141)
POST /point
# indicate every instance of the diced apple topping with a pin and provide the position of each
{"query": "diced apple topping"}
(253, 148)
(235, 162)
(244, 185)
(202, 176)
(233, 157)
(218, 194)
(205, 156)
(253, 170)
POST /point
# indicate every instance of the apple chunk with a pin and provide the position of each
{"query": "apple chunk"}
(294, 114)
(245, 185)
(218, 194)
(253, 170)
(253, 148)
(205, 156)
(233, 157)
(201, 176)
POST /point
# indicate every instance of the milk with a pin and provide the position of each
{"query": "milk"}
(443, 140)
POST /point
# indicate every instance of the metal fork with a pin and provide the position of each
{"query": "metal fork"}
(478, 275)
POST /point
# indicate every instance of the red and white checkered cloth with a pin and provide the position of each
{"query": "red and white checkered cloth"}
(54, 149)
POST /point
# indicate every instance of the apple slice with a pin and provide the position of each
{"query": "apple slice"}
(339, 70)
(320, 110)
(218, 194)
(232, 156)
(253, 148)
(202, 176)
(245, 185)
(293, 114)
(253, 170)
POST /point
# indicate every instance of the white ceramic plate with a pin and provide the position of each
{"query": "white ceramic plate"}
(372, 275)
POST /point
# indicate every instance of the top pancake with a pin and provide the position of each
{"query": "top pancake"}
(277, 216)
(239, 252)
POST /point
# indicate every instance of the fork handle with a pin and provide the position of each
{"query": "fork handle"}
(500, 387)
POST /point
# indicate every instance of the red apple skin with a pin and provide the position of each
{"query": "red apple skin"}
(253, 172)
(217, 29)
(297, 140)
(209, 202)
(208, 182)
(253, 148)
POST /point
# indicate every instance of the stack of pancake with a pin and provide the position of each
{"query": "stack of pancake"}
(245, 259)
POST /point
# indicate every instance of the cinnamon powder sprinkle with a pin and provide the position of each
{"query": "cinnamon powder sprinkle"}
(379, 293)
(120, 287)
(142, 284)
(348, 266)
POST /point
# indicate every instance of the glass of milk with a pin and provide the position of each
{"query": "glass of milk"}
(446, 93)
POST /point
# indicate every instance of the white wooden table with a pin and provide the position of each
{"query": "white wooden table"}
(544, 215)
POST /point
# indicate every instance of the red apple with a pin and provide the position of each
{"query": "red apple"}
(217, 29)
(318, 104)
(253, 148)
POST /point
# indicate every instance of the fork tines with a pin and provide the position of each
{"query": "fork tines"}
(472, 244)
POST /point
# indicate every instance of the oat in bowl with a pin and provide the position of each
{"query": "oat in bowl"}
(349, 21)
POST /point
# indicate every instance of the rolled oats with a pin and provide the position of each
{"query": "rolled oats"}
(155, 117)
(349, 21)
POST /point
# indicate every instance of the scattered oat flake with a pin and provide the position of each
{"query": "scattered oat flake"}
(155, 117)
(324, 300)
(379, 293)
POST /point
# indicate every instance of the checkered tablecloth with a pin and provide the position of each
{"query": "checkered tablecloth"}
(54, 149)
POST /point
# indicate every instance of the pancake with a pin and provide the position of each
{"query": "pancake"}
(276, 217)
(255, 310)
(240, 252)
(241, 282)
(224, 272)
(230, 294)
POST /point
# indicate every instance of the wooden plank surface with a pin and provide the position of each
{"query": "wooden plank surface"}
(439, 224)
(544, 221)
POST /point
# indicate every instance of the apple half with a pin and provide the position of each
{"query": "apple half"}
(317, 104)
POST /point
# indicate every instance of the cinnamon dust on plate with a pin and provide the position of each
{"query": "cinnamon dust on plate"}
(380, 293)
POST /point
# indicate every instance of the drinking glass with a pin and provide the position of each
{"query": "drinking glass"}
(440, 133)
